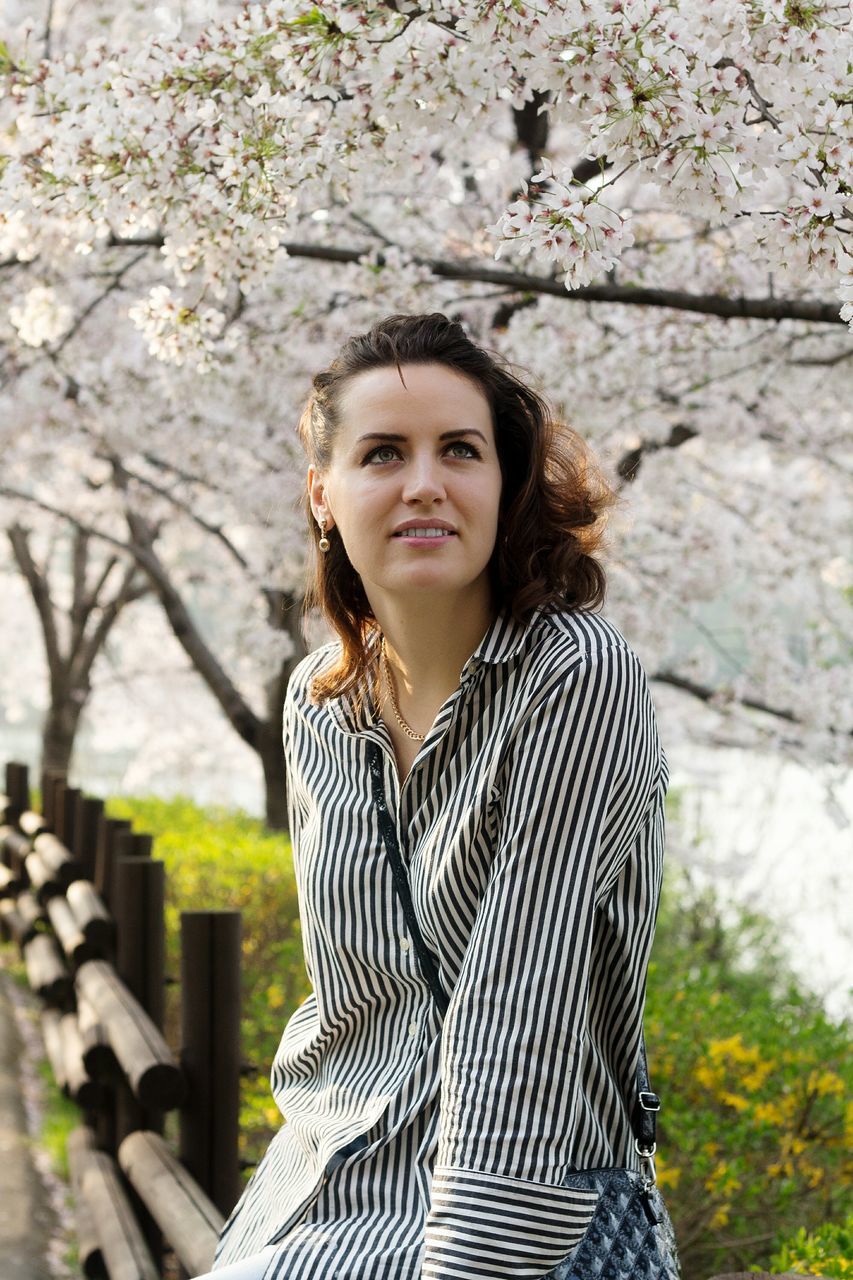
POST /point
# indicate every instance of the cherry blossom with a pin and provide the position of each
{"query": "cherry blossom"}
(198, 206)
(40, 316)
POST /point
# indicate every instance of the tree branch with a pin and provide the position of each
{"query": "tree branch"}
(89, 647)
(95, 303)
(531, 127)
(628, 466)
(705, 694)
(48, 30)
(237, 711)
(216, 531)
(80, 609)
(37, 581)
(712, 304)
(245, 722)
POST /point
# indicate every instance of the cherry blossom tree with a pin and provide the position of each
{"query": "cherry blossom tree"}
(98, 588)
(193, 216)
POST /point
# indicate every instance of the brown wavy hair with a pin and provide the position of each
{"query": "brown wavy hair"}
(552, 508)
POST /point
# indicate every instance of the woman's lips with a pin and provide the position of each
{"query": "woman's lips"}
(423, 540)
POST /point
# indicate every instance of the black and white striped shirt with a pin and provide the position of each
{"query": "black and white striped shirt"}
(532, 825)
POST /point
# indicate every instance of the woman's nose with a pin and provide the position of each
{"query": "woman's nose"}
(423, 480)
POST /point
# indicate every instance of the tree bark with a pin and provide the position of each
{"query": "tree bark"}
(284, 616)
(92, 614)
(60, 730)
(816, 311)
(263, 733)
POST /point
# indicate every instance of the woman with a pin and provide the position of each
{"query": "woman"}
(520, 765)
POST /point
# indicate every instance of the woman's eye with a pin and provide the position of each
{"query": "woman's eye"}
(382, 448)
(463, 444)
(473, 452)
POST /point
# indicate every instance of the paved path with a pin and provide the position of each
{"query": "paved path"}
(26, 1218)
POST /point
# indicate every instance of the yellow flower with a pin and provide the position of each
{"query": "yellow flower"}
(754, 1079)
(734, 1100)
(790, 1105)
(716, 1176)
(767, 1113)
(721, 1216)
(731, 1047)
(666, 1176)
(826, 1082)
(707, 1076)
(275, 996)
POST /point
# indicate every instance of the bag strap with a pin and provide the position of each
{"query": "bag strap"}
(388, 831)
(646, 1103)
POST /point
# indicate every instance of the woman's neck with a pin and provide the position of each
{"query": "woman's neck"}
(427, 649)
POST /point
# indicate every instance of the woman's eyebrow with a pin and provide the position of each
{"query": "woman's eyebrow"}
(445, 435)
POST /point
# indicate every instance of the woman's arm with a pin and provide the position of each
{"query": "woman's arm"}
(582, 768)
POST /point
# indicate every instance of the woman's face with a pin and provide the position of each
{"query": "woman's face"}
(409, 453)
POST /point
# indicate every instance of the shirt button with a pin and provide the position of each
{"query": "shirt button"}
(413, 1028)
(405, 944)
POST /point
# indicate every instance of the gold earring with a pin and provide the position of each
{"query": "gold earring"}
(324, 542)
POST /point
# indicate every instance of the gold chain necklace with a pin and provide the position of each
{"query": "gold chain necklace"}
(407, 728)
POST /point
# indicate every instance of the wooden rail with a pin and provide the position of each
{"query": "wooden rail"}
(82, 897)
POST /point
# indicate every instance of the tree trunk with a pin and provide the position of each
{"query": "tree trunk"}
(284, 615)
(271, 753)
(60, 729)
(87, 622)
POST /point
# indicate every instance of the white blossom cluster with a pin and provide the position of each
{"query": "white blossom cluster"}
(168, 177)
(40, 316)
(227, 144)
(174, 332)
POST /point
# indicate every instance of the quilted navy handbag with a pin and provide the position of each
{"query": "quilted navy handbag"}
(630, 1235)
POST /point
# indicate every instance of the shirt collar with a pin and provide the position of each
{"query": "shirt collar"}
(503, 639)
(502, 642)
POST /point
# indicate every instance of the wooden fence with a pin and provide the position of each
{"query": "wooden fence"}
(83, 898)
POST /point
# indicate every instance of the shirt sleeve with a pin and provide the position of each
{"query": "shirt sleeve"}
(581, 770)
(288, 728)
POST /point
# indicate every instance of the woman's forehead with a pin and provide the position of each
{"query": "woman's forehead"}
(428, 394)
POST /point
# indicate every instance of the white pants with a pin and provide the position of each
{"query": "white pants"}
(252, 1268)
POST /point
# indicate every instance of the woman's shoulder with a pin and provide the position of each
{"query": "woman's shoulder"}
(577, 634)
(298, 686)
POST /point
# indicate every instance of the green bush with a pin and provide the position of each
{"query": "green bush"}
(218, 859)
(754, 1134)
(828, 1251)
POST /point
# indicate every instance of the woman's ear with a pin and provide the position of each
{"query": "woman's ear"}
(317, 497)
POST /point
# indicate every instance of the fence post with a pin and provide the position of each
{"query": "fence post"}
(139, 890)
(211, 1052)
(49, 778)
(66, 811)
(139, 910)
(73, 827)
(105, 855)
(17, 789)
(85, 833)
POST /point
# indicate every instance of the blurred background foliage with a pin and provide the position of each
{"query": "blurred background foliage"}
(828, 1251)
(756, 1130)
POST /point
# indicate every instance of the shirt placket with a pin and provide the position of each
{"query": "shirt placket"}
(400, 803)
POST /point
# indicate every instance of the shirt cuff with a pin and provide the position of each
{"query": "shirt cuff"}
(483, 1226)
